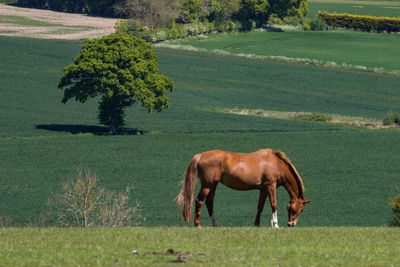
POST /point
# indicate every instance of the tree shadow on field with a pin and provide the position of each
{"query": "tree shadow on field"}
(93, 129)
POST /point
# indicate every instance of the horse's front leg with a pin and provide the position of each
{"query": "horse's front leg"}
(274, 205)
(261, 202)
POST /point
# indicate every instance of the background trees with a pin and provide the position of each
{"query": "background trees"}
(253, 13)
(122, 70)
(161, 13)
(154, 14)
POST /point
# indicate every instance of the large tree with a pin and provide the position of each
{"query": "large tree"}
(252, 13)
(122, 70)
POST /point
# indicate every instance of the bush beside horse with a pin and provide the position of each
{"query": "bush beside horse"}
(263, 170)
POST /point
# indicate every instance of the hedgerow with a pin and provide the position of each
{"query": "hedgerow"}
(363, 23)
(173, 31)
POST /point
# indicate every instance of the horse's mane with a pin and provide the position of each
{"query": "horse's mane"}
(293, 170)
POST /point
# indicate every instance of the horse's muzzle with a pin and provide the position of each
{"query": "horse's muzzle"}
(291, 224)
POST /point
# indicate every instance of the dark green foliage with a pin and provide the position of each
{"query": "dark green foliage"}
(219, 11)
(122, 69)
(392, 118)
(191, 10)
(252, 13)
(32, 3)
(394, 203)
(92, 7)
(255, 13)
(285, 8)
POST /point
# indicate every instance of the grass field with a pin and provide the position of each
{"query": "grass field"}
(389, 8)
(349, 173)
(341, 47)
(207, 246)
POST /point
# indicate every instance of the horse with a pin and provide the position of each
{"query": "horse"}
(263, 170)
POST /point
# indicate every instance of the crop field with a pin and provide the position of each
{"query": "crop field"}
(389, 8)
(349, 173)
(224, 246)
(343, 48)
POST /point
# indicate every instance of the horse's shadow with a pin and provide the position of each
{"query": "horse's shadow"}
(93, 129)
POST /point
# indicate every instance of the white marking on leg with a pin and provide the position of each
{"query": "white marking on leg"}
(274, 221)
(213, 220)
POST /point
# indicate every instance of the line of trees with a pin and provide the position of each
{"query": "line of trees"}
(160, 13)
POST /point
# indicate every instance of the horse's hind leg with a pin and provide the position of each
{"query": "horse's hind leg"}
(199, 202)
(210, 204)
(261, 202)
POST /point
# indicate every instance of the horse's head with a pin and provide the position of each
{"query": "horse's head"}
(295, 207)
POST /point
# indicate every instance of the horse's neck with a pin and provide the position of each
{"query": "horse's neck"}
(291, 186)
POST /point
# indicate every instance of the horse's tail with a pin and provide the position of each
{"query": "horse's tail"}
(185, 197)
(293, 170)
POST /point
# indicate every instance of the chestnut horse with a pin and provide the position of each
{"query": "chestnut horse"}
(264, 170)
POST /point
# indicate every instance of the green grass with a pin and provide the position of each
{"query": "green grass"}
(342, 47)
(348, 173)
(207, 246)
(357, 7)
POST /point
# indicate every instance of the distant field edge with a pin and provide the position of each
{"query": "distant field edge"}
(221, 246)
(308, 116)
(283, 59)
(355, 2)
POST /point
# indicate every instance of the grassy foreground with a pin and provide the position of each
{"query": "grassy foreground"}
(209, 246)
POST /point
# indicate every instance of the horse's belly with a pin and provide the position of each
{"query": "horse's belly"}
(240, 183)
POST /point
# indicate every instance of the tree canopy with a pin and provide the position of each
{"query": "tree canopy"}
(123, 70)
(161, 13)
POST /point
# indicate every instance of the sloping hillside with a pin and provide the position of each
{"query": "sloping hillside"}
(37, 23)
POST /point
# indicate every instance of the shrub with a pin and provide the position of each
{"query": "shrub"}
(392, 118)
(317, 24)
(394, 203)
(116, 212)
(134, 28)
(306, 27)
(274, 20)
(292, 20)
(314, 117)
(227, 26)
(363, 23)
(83, 203)
(175, 31)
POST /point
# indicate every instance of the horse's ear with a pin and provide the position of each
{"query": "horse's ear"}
(306, 201)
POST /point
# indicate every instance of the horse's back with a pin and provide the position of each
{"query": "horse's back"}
(241, 171)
